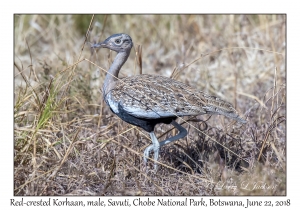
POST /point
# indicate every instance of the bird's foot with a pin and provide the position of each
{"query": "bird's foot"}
(156, 153)
(146, 153)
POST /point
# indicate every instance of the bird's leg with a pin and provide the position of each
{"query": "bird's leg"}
(182, 134)
(154, 146)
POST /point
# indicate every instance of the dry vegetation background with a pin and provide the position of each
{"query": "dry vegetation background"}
(68, 142)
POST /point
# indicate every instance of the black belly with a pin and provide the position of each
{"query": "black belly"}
(147, 124)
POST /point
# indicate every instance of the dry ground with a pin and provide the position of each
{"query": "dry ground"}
(68, 142)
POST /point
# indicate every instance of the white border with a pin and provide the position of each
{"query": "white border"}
(153, 6)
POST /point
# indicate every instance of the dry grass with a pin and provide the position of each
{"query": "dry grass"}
(67, 141)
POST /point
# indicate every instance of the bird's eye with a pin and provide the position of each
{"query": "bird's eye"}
(117, 41)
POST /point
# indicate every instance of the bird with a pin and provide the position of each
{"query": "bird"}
(147, 100)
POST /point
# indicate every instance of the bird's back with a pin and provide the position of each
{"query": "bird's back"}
(153, 97)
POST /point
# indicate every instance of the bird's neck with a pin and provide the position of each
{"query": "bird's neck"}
(113, 72)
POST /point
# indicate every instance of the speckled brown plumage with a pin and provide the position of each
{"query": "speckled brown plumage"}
(151, 96)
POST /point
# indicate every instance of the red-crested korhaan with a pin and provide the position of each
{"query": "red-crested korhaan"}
(146, 100)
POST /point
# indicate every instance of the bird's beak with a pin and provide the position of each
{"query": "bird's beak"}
(98, 45)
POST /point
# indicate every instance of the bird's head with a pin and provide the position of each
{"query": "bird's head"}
(116, 42)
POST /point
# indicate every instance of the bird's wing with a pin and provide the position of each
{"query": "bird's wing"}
(152, 97)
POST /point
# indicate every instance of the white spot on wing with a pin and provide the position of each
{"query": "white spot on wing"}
(111, 103)
(152, 114)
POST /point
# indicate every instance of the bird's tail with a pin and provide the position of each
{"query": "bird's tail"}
(215, 105)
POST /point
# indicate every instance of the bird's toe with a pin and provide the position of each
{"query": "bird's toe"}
(146, 153)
